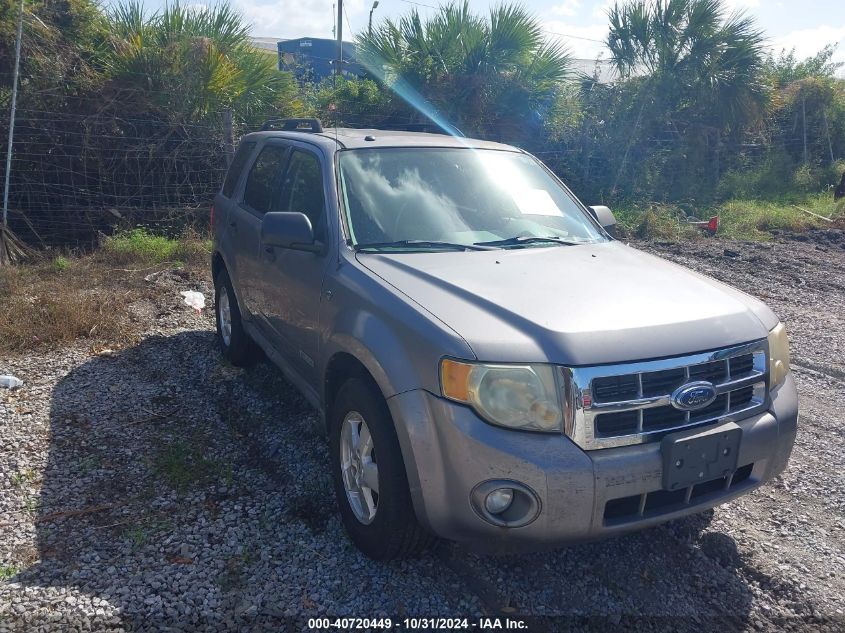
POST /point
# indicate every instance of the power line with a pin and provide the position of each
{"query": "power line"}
(574, 37)
(348, 24)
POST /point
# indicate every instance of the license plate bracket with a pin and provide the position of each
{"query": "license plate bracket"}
(691, 457)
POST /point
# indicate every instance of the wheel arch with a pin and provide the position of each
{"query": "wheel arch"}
(341, 367)
(218, 264)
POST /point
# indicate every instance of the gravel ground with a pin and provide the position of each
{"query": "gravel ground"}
(157, 488)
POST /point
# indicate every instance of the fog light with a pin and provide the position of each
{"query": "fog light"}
(498, 500)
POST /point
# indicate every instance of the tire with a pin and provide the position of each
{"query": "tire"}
(393, 531)
(238, 348)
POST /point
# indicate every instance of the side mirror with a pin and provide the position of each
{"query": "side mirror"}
(605, 217)
(289, 230)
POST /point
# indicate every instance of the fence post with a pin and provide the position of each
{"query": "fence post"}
(827, 131)
(12, 117)
(228, 137)
(10, 247)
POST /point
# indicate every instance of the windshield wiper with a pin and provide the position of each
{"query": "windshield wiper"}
(423, 245)
(522, 239)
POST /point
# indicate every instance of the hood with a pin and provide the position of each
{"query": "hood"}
(573, 305)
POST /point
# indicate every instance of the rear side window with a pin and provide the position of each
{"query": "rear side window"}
(237, 166)
(264, 178)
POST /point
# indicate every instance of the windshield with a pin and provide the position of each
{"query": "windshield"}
(431, 197)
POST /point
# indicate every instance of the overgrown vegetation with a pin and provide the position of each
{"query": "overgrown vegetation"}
(742, 218)
(125, 108)
(67, 298)
(698, 113)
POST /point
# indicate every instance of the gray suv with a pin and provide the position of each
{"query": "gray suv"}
(490, 365)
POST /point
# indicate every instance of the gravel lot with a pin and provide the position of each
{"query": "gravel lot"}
(157, 488)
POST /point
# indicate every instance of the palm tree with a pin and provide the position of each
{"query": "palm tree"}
(698, 57)
(191, 62)
(694, 71)
(483, 75)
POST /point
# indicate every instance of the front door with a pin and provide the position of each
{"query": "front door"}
(292, 280)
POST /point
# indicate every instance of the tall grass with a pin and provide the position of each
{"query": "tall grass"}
(744, 219)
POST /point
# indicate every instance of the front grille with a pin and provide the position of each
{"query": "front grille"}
(742, 365)
(632, 403)
(614, 388)
(635, 507)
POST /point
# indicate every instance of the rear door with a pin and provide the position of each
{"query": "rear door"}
(227, 212)
(293, 279)
(261, 188)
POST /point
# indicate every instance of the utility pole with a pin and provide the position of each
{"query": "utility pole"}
(339, 67)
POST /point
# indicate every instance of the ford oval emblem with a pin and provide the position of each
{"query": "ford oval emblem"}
(693, 396)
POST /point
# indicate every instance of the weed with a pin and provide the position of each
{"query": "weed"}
(32, 505)
(184, 465)
(143, 533)
(7, 571)
(137, 537)
(61, 264)
(23, 476)
(90, 463)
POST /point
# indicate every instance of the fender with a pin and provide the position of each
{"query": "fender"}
(398, 360)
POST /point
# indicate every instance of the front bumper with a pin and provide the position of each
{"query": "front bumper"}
(448, 451)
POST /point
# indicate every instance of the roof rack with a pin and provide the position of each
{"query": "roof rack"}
(293, 125)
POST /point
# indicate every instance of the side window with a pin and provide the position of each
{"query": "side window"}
(237, 166)
(302, 190)
(264, 178)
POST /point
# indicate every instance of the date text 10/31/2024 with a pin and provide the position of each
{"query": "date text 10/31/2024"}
(418, 624)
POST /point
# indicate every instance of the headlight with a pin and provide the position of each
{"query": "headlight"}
(516, 396)
(778, 355)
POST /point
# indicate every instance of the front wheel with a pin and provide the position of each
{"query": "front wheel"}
(370, 481)
(235, 344)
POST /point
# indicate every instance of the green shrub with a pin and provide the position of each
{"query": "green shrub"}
(806, 178)
(61, 264)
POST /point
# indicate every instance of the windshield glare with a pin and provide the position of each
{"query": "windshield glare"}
(463, 196)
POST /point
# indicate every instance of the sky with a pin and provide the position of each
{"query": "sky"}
(806, 25)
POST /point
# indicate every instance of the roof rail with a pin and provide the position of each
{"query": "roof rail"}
(293, 125)
(429, 128)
